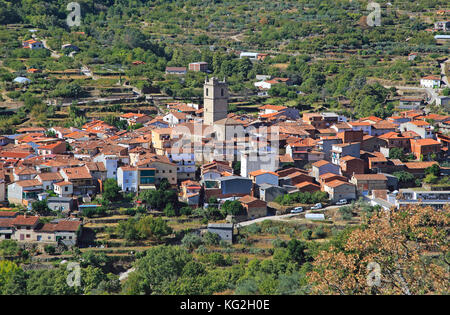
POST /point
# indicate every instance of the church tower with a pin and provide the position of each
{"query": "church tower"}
(215, 100)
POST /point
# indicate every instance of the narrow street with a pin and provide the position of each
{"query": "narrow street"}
(282, 217)
(444, 77)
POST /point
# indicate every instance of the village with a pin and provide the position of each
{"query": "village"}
(224, 148)
(206, 154)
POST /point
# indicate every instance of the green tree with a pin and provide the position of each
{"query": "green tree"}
(111, 190)
(405, 179)
(211, 238)
(431, 179)
(7, 271)
(41, 207)
(91, 258)
(397, 153)
(145, 227)
(191, 241)
(49, 249)
(9, 248)
(433, 170)
(154, 272)
(233, 207)
(296, 251)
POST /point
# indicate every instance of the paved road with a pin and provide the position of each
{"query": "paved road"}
(282, 217)
(87, 72)
(432, 95)
(444, 77)
(54, 54)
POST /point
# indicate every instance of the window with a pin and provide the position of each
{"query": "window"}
(66, 188)
(221, 92)
(206, 92)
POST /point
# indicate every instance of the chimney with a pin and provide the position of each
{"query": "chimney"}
(252, 192)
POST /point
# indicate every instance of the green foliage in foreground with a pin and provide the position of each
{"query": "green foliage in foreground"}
(302, 197)
(173, 270)
(93, 280)
(142, 228)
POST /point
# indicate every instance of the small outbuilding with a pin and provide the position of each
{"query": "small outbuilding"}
(22, 80)
(224, 230)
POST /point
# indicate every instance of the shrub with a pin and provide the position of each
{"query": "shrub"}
(50, 249)
(9, 248)
(319, 232)
(128, 211)
(169, 210)
(191, 241)
(278, 243)
(201, 250)
(141, 210)
(302, 197)
(245, 241)
(211, 238)
(346, 213)
(307, 234)
(224, 244)
(186, 211)
(275, 230)
(217, 259)
(143, 228)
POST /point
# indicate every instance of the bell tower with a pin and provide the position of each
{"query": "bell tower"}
(215, 100)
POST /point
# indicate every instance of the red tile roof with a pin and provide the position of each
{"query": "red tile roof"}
(28, 183)
(306, 183)
(261, 172)
(336, 183)
(14, 155)
(272, 107)
(419, 165)
(422, 142)
(77, 173)
(25, 220)
(320, 163)
(370, 177)
(432, 77)
(67, 225)
(6, 222)
(4, 214)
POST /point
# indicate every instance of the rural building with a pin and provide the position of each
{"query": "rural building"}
(224, 230)
(365, 183)
(198, 66)
(338, 189)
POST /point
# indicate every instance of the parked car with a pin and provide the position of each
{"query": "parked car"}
(317, 206)
(297, 210)
(341, 202)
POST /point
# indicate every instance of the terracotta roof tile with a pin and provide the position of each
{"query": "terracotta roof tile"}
(25, 220)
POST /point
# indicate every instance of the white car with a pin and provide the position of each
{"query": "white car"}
(297, 210)
(341, 202)
(316, 206)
